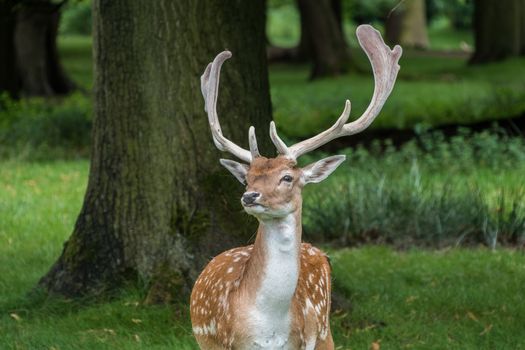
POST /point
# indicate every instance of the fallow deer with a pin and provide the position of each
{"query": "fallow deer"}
(275, 294)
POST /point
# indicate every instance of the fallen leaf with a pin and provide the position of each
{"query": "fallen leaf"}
(486, 330)
(136, 337)
(472, 316)
(110, 331)
(136, 320)
(15, 317)
(131, 303)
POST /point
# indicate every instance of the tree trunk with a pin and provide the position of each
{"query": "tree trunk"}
(303, 51)
(9, 81)
(522, 27)
(337, 9)
(330, 53)
(407, 25)
(158, 205)
(394, 25)
(31, 63)
(497, 26)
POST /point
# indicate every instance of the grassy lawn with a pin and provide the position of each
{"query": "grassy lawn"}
(459, 299)
(455, 299)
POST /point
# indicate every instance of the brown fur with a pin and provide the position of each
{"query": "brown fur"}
(215, 284)
(227, 287)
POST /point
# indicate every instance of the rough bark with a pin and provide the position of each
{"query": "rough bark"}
(497, 29)
(158, 204)
(330, 53)
(31, 63)
(407, 25)
(522, 27)
(9, 81)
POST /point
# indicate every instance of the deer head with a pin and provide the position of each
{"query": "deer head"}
(273, 185)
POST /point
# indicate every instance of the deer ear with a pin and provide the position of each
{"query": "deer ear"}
(238, 170)
(318, 171)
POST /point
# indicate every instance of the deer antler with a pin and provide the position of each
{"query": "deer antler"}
(210, 91)
(385, 67)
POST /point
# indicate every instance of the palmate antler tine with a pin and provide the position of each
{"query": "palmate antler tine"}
(385, 67)
(210, 90)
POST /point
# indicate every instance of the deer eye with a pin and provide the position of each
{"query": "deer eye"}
(287, 178)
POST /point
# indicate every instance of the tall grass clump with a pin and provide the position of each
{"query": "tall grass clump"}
(432, 191)
(38, 129)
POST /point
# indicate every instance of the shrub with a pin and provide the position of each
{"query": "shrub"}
(45, 129)
(468, 189)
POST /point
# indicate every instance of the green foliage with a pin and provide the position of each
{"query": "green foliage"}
(449, 21)
(468, 190)
(459, 13)
(76, 18)
(369, 11)
(430, 91)
(283, 26)
(44, 129)
(75, 53)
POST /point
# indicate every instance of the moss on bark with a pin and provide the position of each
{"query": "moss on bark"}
(157, 198)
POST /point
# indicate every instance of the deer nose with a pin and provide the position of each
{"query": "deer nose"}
(250, 197)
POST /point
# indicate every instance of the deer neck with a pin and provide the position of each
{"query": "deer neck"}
(274, 272)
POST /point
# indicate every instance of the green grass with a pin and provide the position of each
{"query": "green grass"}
(458, 299)
(38, 206)
(455, 299)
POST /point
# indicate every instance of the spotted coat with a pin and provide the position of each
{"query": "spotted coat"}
(213, 306)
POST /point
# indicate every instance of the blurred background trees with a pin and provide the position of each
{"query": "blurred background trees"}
(322, 37)
(29, 60)
(406, 24)
(499, 30)
(34, 69)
